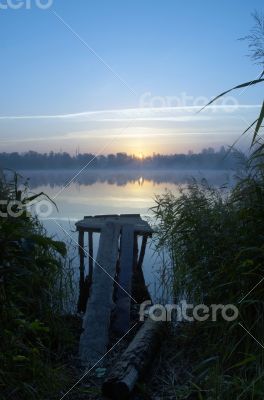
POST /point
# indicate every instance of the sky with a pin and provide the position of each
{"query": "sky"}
(107, 76)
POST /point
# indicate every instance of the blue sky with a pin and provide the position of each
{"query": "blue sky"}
(128, 55)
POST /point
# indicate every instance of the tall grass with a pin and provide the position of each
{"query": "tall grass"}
(34, 337)
(216, 244)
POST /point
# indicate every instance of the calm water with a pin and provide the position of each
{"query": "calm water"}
(110, 192)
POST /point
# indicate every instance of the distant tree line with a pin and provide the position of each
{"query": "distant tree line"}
(206, 159)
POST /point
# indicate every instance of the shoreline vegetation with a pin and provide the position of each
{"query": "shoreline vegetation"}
(209, 158)
(36, 336)
(208, 360)
(215, 242)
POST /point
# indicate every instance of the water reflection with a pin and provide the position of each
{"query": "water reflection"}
(111, 192)
(122, 178)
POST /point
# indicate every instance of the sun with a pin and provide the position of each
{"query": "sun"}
(141, 156)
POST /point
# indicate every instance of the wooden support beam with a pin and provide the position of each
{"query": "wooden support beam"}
(81, 253)
(142, 251)
(81, 281)
(96, 322)
(135, 245)
(133, 363)
(140, 291)
(123, 291)
(88, 278)
(91, 262)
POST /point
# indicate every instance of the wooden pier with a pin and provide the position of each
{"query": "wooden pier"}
(107, 284)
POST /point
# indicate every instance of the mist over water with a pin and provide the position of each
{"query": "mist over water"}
(122, 177)
(112, 192)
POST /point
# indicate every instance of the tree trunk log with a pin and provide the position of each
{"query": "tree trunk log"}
(133, 363)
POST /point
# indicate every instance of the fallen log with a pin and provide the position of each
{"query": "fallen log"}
(133, 363)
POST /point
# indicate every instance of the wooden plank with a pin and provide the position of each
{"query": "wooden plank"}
(95, 224)
(123, 299)
(96, 229)
(99, 221)
(131, 215)
(94, 339)
(106, 216)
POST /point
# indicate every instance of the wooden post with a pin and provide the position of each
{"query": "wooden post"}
(135, 245)
(140, 290)
(90, 276)
(81, 282)
(142, 251)
(134, 362)
(86, 289)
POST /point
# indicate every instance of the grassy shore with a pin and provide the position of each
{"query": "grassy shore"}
(215, 242)
(35, 335)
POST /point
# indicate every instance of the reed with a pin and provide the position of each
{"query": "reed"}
(215, 241)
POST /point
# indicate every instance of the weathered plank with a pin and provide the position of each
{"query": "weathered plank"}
(94, 339)
(96, 223)
(123, 292)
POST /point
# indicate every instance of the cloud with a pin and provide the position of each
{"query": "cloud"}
(129, 133)
(184, 113)
(155, 129)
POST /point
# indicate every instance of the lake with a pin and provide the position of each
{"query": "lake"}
(111, 192)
